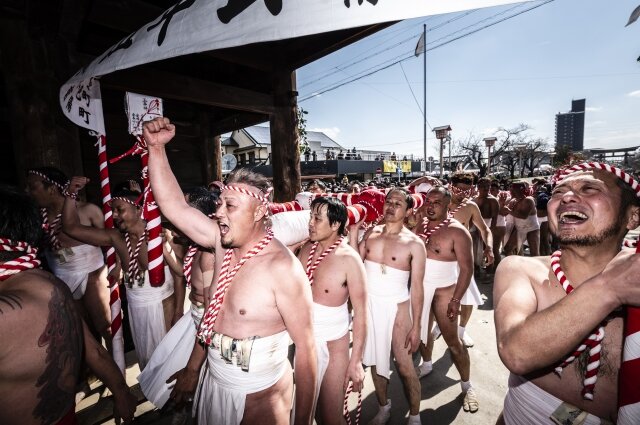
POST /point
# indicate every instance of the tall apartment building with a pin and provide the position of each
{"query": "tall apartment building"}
(570, 126)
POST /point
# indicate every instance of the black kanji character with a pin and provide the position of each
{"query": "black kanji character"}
(125, 43)
(236, 7)
(69, 104)
(68, 93)
(348, 3)
(82, 113)
(165, 19)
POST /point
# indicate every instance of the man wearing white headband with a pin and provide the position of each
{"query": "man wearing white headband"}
(558, 318)
(261, 298)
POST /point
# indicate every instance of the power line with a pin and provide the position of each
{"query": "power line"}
(381, 68)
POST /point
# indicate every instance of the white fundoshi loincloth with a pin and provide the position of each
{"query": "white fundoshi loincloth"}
(524, 226)
(72, 265)
(329, 324)
(437, 274)
(501, 221)
(385, 291)
(146, 315)
(170, 356)
(528, 404)
(224, 386)
(472, 295)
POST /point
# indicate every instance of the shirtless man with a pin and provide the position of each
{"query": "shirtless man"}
(79, 265)
(489, 209)
(393, 257)
(337, 277)
(526, 226)
(43, 337)
(501, 221)
(152, 310)
(538, 326)
(541, 194)
(174, 350)
(467, 213)
(248, 377)
(448, 271)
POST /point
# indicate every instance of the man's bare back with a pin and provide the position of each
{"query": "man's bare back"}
(40, 363)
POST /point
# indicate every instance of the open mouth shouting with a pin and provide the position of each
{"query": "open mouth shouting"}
(224, 229)
(572, 217)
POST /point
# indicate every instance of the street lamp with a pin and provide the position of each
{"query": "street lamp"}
(442, 133)
(489, 142)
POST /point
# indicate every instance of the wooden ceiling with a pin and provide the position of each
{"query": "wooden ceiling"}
(235, 85)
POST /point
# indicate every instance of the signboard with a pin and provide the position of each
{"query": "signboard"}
(82, 103)
(140, 109)
(392, 166)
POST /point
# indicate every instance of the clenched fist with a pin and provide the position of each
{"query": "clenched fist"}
(77, 183)
(158, 132)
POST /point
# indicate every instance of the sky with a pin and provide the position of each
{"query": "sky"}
(523, 70)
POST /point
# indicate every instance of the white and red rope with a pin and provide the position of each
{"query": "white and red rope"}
(188, 264)
(49, 180)
(133, 269)
(593, 341)
(51, 230)
(276, 208)
(115, 303)
(313, 265)
(205, 333)
(27, 261)
(629, 376)
(150, 213)
(428, 233)
(345, 408)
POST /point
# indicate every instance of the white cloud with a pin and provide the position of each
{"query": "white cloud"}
(635, 93)
(593, 108)
(332, 132)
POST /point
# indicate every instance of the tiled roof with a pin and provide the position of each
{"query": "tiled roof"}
(262, 136)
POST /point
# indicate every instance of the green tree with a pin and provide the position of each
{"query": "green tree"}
(301, 125)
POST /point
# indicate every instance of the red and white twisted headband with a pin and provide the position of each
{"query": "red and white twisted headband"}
(49, 180)
(263, 199)
(561, 174)
(25, 262)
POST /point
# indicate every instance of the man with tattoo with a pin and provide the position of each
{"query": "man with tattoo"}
(43, 337)
(540, 329)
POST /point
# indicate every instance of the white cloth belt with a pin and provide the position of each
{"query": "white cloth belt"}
(386, 291)
(528, 404)
(146, 315)
(170, 356)
(329, 324)
(437, 274)
(501, 221)
(72, 265)
(224, 386)
(524, 226)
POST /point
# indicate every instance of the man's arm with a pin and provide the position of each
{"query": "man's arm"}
(187, 378)
(107, 371)
(463, 249)
(166, 191)
(418, 260)
(485, 233)
(294, 301)
(529, 340)
(356, 283)
(495, 210)
(71, 221)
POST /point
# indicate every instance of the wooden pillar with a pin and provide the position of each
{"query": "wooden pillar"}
(285, 155)
(211, 161)
(36, 63)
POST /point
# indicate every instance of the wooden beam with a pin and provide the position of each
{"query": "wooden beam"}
(237, 121)
(168, 85)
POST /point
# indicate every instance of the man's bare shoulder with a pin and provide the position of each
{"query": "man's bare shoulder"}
(346, 252)
(457, 228)
(26, 290)
(88, 208)
(516, 265)
(409, 237)
(280, 259)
